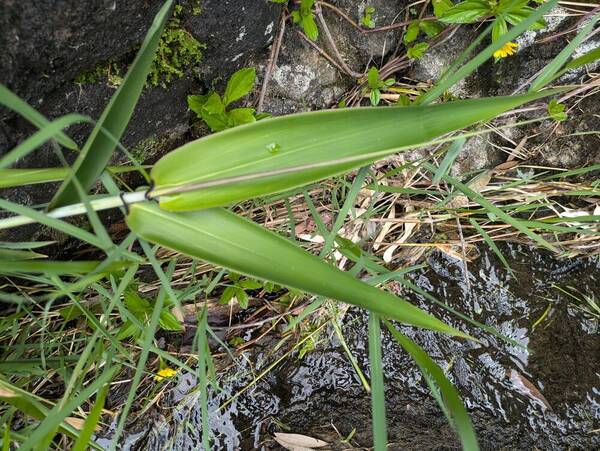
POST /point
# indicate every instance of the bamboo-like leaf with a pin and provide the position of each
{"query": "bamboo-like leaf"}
(241, 163)
(15, 103)
(225, 239)
(19, 177)
(108, 130)
(451, 399)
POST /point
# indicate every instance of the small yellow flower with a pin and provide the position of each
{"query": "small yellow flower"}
(507, 49)
(165, 372)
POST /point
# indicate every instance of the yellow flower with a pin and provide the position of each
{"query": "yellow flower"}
(507, 49)
(165, 373)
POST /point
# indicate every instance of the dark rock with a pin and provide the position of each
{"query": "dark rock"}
(45, 44)
(233, 32)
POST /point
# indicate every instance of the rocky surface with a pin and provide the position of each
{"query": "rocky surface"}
(44, 45)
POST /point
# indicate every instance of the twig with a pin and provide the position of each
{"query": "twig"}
(334, 49)
(275, 48)
(321, 51)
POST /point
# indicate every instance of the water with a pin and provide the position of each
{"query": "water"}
(546, 396)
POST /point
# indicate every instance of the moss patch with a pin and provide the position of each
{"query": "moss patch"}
(177, 50)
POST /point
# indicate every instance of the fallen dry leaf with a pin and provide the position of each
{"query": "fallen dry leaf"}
(298, 442)
(526, 387)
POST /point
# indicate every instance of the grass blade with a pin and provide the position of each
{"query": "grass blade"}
(490, 243)
(449, 158)
(225, 239)
(452, 403)
(490, 207)
(47, 132)
(99, 147)
(92, 420)
(485, 54)
(377, 385)
(19, 177)
(554, 66)
(15, 103)
(56, 267)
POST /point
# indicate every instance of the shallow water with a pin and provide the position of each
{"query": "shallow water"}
(545, 394)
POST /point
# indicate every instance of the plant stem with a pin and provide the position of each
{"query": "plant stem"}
(103, 203)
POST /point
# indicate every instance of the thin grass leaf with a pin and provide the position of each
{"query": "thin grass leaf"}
(57, 267)
(491, 244)
(10, 178)
(237, 165)
(449, 158)
(478, 198)
(550, 71)
(30, 404)
(202, 374)
(25, 244)
(8, 255)
(343, 212)
(485, 54)
(57, 415)
(15, 103)
(377, 385)
(91, 422)
(99, 147)
(452, 403)
(149, 335)
(225, 239)
(46, 133)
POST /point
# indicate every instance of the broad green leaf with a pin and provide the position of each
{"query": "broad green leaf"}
(499, 28)
(99, 147)
(465, 12)
(557, 110)
(451, 399)
(375, 97)
(441, 6)
(412, 31)
(373, 78)
(225, 239)
(430, 28)
(15, 103)
(417, 50)
(239, 85)
(168, 321)
(239, 164)
(241, 116)
(135, 302)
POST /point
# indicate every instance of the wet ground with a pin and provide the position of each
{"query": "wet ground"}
(544, 394)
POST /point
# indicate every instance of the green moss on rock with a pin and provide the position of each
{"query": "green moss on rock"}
(176, 51)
